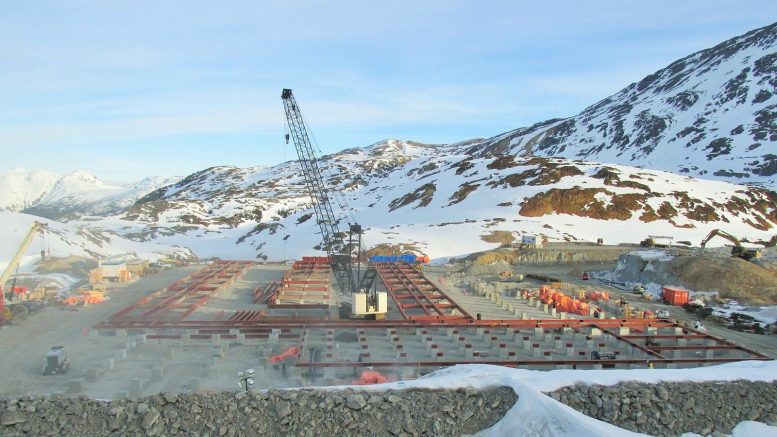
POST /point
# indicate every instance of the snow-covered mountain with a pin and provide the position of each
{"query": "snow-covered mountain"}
(49, 195)
(66, 239)
(712, 114)
(623, 169)
(20, 188)
(441, 201)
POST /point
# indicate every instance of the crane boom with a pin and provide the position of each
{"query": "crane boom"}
(36, 227)
(340, 251)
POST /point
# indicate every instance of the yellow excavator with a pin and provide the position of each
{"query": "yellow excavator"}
(8, 309)
(737, 250)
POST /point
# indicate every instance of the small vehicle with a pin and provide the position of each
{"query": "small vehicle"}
(662, 314)
(638, 289)
(596, 355)
(585, 276)
(56, 361)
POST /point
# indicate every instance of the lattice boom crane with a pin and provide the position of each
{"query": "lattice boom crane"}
(343, 254)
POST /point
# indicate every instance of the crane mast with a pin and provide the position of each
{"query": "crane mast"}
(342, 252)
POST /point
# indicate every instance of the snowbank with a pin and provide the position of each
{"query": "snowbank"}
(536, 413)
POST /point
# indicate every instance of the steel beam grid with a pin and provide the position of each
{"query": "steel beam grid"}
(306, 285)
(283, 321)
(253, 325)
(186, 293)
(634, 345)
(404, 284)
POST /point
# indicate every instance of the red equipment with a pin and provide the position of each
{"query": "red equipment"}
(676, 296)
(291, 352)
(371, 377)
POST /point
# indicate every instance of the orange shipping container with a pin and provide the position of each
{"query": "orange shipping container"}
(676, 296)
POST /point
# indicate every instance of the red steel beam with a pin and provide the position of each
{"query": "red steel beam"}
(183, 288)
(516, 363)
(638, 346)
(451, 323)
(405, 283)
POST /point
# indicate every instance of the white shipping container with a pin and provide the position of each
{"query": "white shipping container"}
(113, 270)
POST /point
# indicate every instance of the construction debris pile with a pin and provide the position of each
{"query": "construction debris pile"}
(672, 408)
(293, 412)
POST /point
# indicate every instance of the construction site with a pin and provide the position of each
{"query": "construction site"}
(343, 318)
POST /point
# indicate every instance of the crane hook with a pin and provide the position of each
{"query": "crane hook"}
(287, 138)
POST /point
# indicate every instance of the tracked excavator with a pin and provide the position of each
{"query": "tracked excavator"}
(8, 308)
(343, 249)
(737, 250)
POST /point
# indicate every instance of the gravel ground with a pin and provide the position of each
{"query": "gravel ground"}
(670, 409)
(411, 412)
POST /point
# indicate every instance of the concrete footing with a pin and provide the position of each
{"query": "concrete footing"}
(91, 375)
(157, 374)
(195, 384)
(135, 388)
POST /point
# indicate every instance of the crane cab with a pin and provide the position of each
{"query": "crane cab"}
(361, 308)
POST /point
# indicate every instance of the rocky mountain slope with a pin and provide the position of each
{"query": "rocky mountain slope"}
(712, 114)
(441, 201)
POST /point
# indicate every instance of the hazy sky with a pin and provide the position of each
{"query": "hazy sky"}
(139, 88)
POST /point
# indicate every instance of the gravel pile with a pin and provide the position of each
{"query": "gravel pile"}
(409, 412)
(670, 409)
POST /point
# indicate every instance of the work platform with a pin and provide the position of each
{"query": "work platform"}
(428, 330)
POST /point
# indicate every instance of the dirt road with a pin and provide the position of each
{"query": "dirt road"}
(24, 344)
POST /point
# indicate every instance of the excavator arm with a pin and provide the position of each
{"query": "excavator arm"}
(738, 251)
(718, 233)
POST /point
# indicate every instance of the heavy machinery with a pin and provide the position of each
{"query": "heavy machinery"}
(8, 308)
(656, 241)
(56, 361)
(344, 253)
(737, 250)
